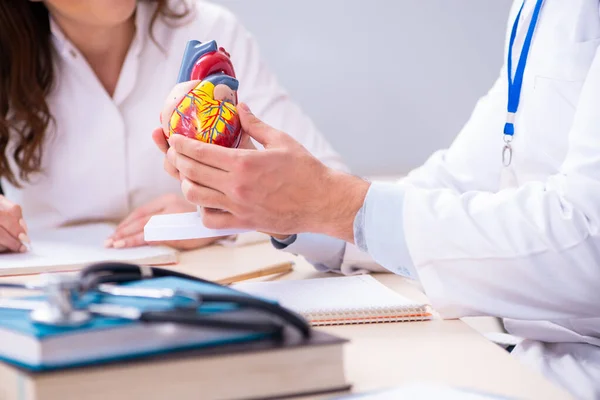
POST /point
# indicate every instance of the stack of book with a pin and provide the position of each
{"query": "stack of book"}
(111, 358)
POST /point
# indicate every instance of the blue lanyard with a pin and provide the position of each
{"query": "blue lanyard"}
(515, 83)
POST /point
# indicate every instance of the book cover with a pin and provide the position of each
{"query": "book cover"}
(16, 327)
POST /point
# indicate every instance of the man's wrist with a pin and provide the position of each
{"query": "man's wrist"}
(345, 196)
(284, 242)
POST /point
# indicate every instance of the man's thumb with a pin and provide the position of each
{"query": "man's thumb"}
(254, 127)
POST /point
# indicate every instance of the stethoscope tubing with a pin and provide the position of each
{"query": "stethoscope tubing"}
(116, 273)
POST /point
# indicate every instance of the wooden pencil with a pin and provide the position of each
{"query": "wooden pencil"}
(280, 268)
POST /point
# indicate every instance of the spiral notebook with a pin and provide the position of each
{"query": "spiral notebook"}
(339, 301)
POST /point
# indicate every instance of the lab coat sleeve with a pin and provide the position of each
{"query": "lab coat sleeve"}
(268, 100)
(328, 254)
(531, 252)
(379, 214)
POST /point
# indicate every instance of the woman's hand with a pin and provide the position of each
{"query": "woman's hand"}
(13, 230)
(130, 232)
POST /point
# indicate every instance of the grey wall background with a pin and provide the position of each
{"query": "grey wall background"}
(425, 62)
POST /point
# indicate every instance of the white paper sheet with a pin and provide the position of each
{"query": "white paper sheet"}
(75, 246)
(182, 226)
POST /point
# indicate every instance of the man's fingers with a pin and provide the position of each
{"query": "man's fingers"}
(246, 142)
(255, 128)
(217, 219)
(170, 168)
(197, 172)
(161, 141)
(203, 196)
(135, 240)
(205, 153)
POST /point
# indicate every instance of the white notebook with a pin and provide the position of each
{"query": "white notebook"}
(68, 249)
(338, 301)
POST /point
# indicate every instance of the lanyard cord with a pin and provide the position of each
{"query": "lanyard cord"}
(515, 84)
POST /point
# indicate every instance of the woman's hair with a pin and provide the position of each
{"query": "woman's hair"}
(26, 77)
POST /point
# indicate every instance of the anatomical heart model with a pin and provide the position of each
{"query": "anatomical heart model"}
(202, 104)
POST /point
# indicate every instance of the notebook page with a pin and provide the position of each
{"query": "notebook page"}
(76, 245)
(335, 295)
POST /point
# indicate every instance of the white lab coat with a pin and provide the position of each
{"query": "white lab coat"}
(522, 243)
(100, 162)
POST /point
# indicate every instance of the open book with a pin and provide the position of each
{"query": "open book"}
(67, 249)
(343, 300)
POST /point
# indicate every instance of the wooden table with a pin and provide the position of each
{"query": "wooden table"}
(387, 355)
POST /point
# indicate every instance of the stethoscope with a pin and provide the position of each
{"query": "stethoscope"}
(63, 306)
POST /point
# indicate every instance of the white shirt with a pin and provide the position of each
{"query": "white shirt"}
(100, 162)
(523, 242)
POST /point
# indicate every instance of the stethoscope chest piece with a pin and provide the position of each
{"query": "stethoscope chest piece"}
(51, 316)
(59, 309)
